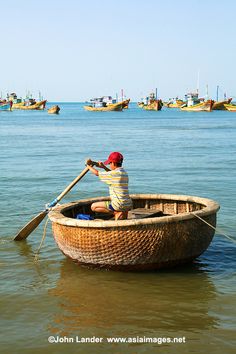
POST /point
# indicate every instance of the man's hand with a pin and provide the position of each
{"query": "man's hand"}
(89, 162)
(101, 165)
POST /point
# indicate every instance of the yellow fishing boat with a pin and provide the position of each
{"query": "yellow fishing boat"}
(107, 108)
(175, 104)
(28, 103)
(37, 106)
(203, 106)
(18, 105)
(154, 105)
(151, 103)
(230, 107)
(125, 103)
(140, 104)
(220, 105)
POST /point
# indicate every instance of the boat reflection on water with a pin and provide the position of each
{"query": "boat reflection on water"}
(100, 303)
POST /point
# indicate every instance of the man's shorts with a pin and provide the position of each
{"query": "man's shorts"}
(109, 206)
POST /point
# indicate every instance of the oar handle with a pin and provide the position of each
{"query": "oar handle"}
(71, 185)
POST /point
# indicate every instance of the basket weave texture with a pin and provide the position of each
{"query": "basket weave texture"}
(135, 244)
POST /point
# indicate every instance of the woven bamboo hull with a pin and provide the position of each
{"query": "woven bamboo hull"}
(137, 244)
(54, 110)
(110, 107)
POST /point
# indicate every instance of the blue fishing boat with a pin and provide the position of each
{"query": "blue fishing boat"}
(5, 106)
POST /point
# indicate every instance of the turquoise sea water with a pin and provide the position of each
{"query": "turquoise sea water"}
(165, 152)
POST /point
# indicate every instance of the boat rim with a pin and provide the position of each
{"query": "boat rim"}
(210, 207)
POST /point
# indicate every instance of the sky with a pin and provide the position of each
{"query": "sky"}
(73, 50)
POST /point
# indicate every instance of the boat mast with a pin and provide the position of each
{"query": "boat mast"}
(217, 93)
(122, 95)
(207, 95)
(156, 93)
(198, 79)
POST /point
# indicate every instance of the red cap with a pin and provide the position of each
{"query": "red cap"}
(116, 157)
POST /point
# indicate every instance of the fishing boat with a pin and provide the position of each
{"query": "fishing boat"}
(125, 103)
(140, 104)
(230, 107)
(27, 103)
(196, 104)
(5, 106)
(220, 105)
(162, 230)
(54, 109)
(105, 108)
(107, 103)
(35, 106)
(177, 103)
(18, 105)
(203, 106)
(155, 105)
(151, 103)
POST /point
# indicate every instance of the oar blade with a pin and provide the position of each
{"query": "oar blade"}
(30, 226)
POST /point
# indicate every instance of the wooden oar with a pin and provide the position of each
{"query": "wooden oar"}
(32, 224)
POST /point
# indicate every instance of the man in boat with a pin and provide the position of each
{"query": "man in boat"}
(117, 179)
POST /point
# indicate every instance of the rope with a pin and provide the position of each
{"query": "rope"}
(36, 257)
(216, 229)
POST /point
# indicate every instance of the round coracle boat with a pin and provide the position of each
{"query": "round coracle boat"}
(54, 110)
(162, 230)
